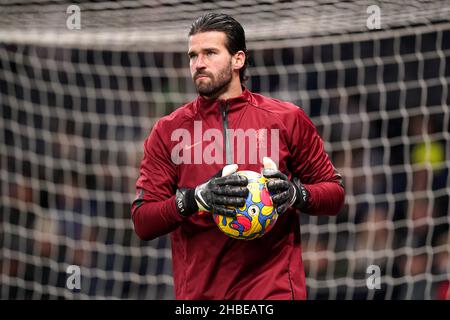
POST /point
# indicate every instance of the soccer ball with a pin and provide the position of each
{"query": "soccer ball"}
(256, 217)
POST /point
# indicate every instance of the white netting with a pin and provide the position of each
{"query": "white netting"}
(77, 105)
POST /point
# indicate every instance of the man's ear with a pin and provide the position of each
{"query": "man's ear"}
(238, 60)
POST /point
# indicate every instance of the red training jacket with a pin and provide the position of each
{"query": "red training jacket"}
(182, 150)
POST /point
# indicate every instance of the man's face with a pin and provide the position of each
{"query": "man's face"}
(210, 63)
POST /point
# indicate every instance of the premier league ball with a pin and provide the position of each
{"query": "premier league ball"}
(256, 217)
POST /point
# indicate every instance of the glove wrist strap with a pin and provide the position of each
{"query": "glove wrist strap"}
(185, 201)
(301, 196)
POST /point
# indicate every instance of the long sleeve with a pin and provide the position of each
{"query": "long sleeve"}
(153, 211)
(154, 219)
(313, 167)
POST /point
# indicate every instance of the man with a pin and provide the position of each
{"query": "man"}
(184, 179)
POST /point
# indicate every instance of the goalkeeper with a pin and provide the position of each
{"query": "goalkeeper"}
(172, 197)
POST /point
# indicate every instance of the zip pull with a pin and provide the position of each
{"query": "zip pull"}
(224, 108)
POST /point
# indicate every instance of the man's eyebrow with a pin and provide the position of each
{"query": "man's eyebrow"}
(210, 49)
(203, 49)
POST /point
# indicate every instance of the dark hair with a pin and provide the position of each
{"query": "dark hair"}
(233, 30)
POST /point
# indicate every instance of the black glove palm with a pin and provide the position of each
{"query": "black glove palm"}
(220, 194)
(284, 193)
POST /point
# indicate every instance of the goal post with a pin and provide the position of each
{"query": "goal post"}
(77, 104)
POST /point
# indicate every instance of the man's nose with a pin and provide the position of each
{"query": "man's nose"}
(200, 62)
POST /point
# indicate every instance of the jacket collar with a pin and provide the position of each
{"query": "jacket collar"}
(204, 105)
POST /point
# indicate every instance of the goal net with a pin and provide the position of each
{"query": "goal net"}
(82, 83)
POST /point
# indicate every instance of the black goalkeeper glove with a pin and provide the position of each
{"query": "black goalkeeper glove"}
(226, 188)
(284, 193)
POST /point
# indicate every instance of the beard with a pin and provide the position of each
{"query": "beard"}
(213, 86)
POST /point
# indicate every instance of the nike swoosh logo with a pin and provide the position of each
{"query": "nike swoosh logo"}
(192, 145)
